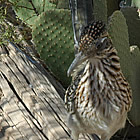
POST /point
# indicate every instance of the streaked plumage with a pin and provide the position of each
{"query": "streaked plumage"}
(99, 97)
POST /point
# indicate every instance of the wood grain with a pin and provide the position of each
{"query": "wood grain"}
(31, 107)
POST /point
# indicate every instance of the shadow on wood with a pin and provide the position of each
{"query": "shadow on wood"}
(30, 106)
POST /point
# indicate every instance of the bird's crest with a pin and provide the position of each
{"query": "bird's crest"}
(90, 33)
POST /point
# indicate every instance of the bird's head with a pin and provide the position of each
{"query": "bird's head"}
(92, 44)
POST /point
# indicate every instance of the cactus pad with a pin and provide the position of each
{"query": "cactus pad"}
(133, 23)
(130, 60)
(53, 37)
(53, 1)
(135, 80)
(118, 32)
(100, 10)
(136, 3)
(60, 4)
(25, 10)
(63, 4)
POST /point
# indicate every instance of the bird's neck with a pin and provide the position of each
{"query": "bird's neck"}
(100, 72)
(106, 62)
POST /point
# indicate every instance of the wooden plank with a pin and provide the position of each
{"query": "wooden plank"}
(32, 107)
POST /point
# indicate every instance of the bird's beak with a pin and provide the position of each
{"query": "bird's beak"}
(79, 58)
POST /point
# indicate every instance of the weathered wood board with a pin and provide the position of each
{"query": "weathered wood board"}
(30, 106)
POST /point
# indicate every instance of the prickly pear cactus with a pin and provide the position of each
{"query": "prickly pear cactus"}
(29, 11)
(63, 4)
(53, 1)
(135, 81)
(136, 3)
(100, 10)
(53, 37)
(60, 4)
(133, 23)
(129, 59)
(118, 32)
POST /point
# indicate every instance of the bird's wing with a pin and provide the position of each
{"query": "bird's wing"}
(71, 95)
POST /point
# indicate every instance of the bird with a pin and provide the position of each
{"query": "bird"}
(99, 96)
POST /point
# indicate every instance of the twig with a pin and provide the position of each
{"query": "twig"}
(34, 7)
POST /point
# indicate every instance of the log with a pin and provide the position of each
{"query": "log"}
(31, 105)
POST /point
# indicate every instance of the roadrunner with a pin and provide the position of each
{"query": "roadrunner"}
(99, 97)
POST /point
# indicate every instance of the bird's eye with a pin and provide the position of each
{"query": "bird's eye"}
(101, 43)
(98, 45)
